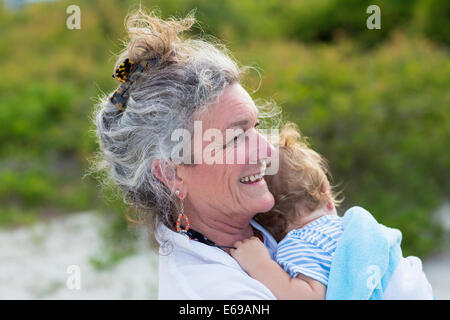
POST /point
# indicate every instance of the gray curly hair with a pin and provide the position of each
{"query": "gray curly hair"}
(190, 75)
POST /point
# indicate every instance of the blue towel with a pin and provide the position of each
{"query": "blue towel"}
(365, 258)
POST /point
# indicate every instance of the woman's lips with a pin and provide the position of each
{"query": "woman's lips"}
(255, 177)
(252, 178)
(255, 182)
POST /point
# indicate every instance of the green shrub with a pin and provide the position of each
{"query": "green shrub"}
(431, 18)
(381, 118)
(380, 115)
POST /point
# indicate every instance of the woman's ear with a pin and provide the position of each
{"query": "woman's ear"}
(167, 173)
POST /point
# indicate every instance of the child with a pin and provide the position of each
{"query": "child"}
(304, 219)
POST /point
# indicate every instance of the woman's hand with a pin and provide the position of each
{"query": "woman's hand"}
(251, 254)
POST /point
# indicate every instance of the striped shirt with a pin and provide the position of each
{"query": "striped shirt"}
(310, 249)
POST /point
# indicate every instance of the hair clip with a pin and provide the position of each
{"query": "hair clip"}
(127, 73)
(123, 70)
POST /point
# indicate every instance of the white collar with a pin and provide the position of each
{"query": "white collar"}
(170, 240)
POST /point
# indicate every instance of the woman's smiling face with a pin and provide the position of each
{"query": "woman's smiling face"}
(234, 187)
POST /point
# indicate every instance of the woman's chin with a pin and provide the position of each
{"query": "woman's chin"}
(262, 203)
(257, 196)
(268, 203)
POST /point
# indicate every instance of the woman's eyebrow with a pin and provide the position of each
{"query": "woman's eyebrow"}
(238, 123)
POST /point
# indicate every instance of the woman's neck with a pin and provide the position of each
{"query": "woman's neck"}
(222, 230)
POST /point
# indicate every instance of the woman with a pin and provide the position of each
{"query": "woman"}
(197, 207)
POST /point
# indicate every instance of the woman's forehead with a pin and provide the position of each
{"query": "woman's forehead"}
(234, 108)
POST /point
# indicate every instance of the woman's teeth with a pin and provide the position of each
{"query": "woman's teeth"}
(252, 178)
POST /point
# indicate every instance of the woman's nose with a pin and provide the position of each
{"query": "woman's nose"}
(261, 150)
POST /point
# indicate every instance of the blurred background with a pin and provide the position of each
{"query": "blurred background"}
(375, 103)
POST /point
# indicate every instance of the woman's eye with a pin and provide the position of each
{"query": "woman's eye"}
(232, 142)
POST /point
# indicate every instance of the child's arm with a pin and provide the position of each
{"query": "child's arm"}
(254, 258)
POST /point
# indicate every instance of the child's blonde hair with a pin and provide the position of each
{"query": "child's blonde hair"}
(300, 179)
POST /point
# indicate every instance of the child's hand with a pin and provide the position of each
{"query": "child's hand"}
(250, 254)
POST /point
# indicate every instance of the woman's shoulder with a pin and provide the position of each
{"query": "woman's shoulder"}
(192, 270)
(210, 281)
(201, 272)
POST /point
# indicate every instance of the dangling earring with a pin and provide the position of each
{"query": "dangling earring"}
(182, 215)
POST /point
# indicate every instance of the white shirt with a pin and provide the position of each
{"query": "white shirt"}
(191, 270)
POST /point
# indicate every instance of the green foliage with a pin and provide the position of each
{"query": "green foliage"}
(432, 19)
(324, 19)
(239, 21)
(381, 118)
(374, 102)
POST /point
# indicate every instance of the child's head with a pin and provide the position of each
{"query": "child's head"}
(300, 186)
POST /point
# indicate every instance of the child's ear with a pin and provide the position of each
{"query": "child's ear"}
(326, 190)
(326, 187)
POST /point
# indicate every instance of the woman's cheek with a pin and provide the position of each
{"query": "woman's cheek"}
(241, 153)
